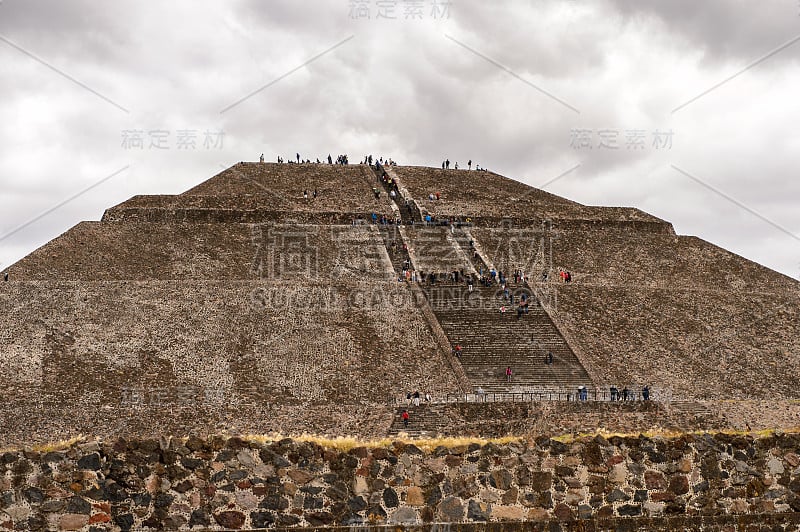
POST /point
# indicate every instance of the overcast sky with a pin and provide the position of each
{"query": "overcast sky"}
(685, 109)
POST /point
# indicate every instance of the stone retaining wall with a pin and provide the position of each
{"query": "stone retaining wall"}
(493, 420)
(220, 483)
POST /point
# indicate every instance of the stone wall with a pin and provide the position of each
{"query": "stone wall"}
(491, 200)
(687, 341)
(501, 419)
(218, 483)
(627, 256)
(337, 185)
(259, 356)
(100, 251)
(482, 188)
(256, 193)
(654, 309)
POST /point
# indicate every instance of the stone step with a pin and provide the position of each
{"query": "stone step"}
(424, 420)
(493, 340)
(519, 373)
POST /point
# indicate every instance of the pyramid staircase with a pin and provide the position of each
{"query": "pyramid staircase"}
(427, 419)
(393, 241)
(409, 214)
(493, 340)
(465, 242)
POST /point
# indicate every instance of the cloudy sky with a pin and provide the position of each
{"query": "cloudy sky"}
(687, 110)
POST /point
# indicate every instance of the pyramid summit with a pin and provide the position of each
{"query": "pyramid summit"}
(312, 298)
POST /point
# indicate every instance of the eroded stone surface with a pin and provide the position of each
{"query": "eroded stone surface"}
(213, 486)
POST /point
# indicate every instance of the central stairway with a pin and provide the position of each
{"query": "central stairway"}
(492, 340)
(427, 419)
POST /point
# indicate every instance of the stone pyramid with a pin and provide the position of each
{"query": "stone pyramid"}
(265, 300)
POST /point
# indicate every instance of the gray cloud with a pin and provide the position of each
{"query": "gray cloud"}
(401, 88)
(718, 29)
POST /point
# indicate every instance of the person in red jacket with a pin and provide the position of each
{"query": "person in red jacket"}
(508, 373)
(405, 418)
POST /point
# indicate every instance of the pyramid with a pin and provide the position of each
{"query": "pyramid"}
(265, 299)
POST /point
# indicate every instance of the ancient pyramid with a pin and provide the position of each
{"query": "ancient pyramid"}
(274, 298)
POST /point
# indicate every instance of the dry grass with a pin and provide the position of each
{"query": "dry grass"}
(672, 434)
(60, 445)
(429, 444)
(48, 447)
(348, 443)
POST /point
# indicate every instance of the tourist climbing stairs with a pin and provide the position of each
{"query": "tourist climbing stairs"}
(408, 212)
(393, 241)
(427, 419)
(492, 340)
(465, 241)
(434, 249)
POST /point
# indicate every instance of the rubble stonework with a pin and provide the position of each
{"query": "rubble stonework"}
(233, 483)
